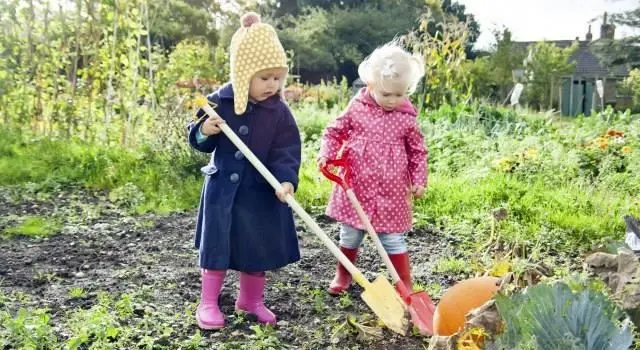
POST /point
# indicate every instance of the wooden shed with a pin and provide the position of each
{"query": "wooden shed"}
(577, 93)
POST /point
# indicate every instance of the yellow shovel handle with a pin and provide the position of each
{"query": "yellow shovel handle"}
(374, 236)
(357, 276)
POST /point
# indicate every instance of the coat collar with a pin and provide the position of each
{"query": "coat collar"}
(365, 97)
(226, 92)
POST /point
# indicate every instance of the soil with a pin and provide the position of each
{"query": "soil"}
(101, 248)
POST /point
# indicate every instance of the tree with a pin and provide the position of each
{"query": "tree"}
(350, 30)
(281, 8)
(546, 66)
(313, 41)
(480, 74)
(504, 59)
(632, 85)
(333, 42)
(172, 21)
(624, 50)
(460, 12)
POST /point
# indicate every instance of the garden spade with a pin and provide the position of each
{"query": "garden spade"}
(379, 295)
(420, 306)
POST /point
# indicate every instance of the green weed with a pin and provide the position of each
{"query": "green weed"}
(34, 226)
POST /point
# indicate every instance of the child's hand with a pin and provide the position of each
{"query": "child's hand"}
(287, 188)
(417, 190)
(211, 126)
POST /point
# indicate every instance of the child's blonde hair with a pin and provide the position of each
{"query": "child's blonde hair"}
(390, 62)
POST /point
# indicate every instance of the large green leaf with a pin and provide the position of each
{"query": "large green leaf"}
(553, 317)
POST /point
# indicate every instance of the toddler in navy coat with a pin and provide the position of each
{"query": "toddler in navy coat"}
(242, 224)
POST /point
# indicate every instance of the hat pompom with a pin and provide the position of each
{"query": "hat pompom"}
(249, 19)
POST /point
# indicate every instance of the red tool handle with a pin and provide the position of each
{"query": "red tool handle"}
(340, 163)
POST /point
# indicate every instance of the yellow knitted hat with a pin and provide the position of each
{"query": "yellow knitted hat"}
(254, 47)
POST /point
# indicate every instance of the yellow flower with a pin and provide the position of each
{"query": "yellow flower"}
(200, 101)
(500, 268)
(602, 142)
(472, 339)
(626, 149)
(531, 153)
(504, 164)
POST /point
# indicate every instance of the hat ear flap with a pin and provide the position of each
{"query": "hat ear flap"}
(240, 98)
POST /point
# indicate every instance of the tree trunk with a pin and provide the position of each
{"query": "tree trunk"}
(134, 89)
(55, 114)
(30, 47)
(89, 83)
(5, 116)
(152, 93)
(94, 40)
(551, 95)
(71, 120)
(108, 106)
(40, 118)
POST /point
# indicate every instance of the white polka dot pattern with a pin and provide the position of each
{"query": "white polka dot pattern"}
(387, 155)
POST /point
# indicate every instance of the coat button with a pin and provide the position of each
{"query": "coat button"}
(239, 155)
(234, 177)
(243, 130)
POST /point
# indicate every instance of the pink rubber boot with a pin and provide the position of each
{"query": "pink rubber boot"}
(251, 297)
(208, 313)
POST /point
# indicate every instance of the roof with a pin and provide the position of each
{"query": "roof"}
(563, 44)
(587, 63)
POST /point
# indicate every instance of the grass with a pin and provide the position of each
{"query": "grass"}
(77, 293)
(564, 184)
(561, 191)
(143, 179)
(34, 226)
(572, 213)
(109, 324)
(451, 266)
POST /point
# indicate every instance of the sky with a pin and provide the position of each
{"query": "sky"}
(535, 20)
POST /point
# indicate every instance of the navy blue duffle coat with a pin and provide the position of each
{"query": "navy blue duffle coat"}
(241, 224)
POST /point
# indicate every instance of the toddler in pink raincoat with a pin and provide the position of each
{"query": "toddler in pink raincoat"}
(379, 134)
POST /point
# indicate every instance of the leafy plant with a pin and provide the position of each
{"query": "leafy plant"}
(127, 196)
(97, 326)
(443, 50)
(27, 330)
(345, 301)
(327, 95)
(34, 226)
(316, 297)
(451, 265)
(265, 338)
(553, 317)
(77, 293)
(632, 84)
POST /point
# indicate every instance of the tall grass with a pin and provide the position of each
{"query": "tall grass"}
(145, 178)
(563, 188)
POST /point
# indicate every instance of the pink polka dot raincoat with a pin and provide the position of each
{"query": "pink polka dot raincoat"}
(387, 154)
